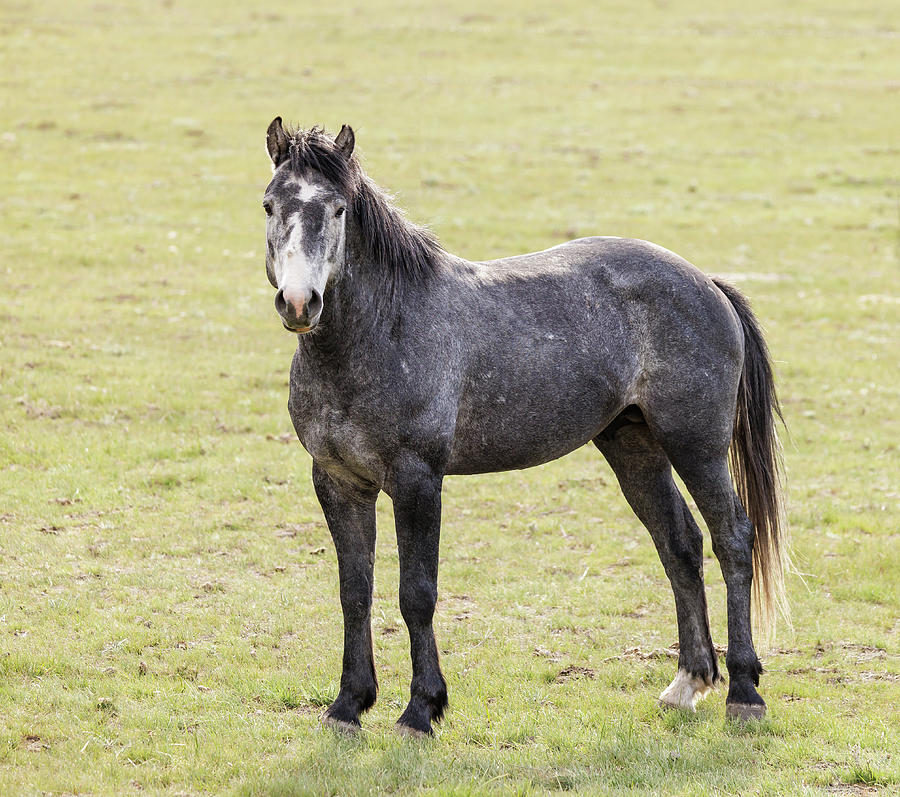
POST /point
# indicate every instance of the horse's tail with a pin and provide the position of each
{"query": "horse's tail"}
(756, 469)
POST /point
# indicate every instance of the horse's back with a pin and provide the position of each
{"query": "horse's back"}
(616, 292)
(661, 297)
(618, 264)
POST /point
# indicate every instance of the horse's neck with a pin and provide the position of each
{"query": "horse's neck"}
(363, 304)
(360, 307)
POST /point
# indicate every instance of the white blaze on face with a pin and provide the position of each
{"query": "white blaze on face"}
(305, 190)
(302, 266)
(293, 270)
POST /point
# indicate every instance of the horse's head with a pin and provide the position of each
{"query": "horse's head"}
(312, 185)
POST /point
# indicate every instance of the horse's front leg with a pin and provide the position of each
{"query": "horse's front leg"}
(350, 514)
(416, 492)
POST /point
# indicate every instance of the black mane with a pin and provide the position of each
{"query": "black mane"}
(388, 238)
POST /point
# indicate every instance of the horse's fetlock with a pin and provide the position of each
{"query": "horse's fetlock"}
(430, 692)
(742, 662)
(417, 716)
(742, 691)
(705, 667)
(362, 694)
(367, 699)
(439, 705)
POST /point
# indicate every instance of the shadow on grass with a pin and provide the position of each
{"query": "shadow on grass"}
(689, 754)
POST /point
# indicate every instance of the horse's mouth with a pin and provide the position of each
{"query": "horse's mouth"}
(297, 330)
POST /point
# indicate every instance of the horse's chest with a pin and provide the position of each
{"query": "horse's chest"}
(333, 438)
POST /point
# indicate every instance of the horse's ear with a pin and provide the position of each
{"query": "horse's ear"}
(345, 140)
(276, 142)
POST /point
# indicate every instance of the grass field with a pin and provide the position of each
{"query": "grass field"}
(169, 618)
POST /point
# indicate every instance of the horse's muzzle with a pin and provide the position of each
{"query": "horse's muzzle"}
(299, 310)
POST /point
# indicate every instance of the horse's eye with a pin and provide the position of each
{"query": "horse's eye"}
(340, 211)
(267, 206)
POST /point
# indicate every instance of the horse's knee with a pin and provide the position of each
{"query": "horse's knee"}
(687, 543)
(418, 599)
(356, 598)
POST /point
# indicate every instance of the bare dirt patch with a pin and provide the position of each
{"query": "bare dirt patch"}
(572, 672)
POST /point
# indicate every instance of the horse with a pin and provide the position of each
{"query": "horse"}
(413, 364)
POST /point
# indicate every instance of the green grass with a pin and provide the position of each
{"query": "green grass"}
(168, 593)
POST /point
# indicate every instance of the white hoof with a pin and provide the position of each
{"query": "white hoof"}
(684, 692)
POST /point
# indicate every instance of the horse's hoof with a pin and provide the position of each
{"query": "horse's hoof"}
(341, 726)
(684, 692)
(745, 711)
(411, 733)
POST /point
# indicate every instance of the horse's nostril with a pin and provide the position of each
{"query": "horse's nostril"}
(314, 305)
(280, 303)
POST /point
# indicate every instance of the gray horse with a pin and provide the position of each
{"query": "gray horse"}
(413, 363)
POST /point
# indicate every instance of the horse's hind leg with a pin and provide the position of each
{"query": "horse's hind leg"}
(645, 476)
(706, 475)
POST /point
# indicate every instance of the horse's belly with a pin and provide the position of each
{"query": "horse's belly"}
(491, 455)
(521, 437)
